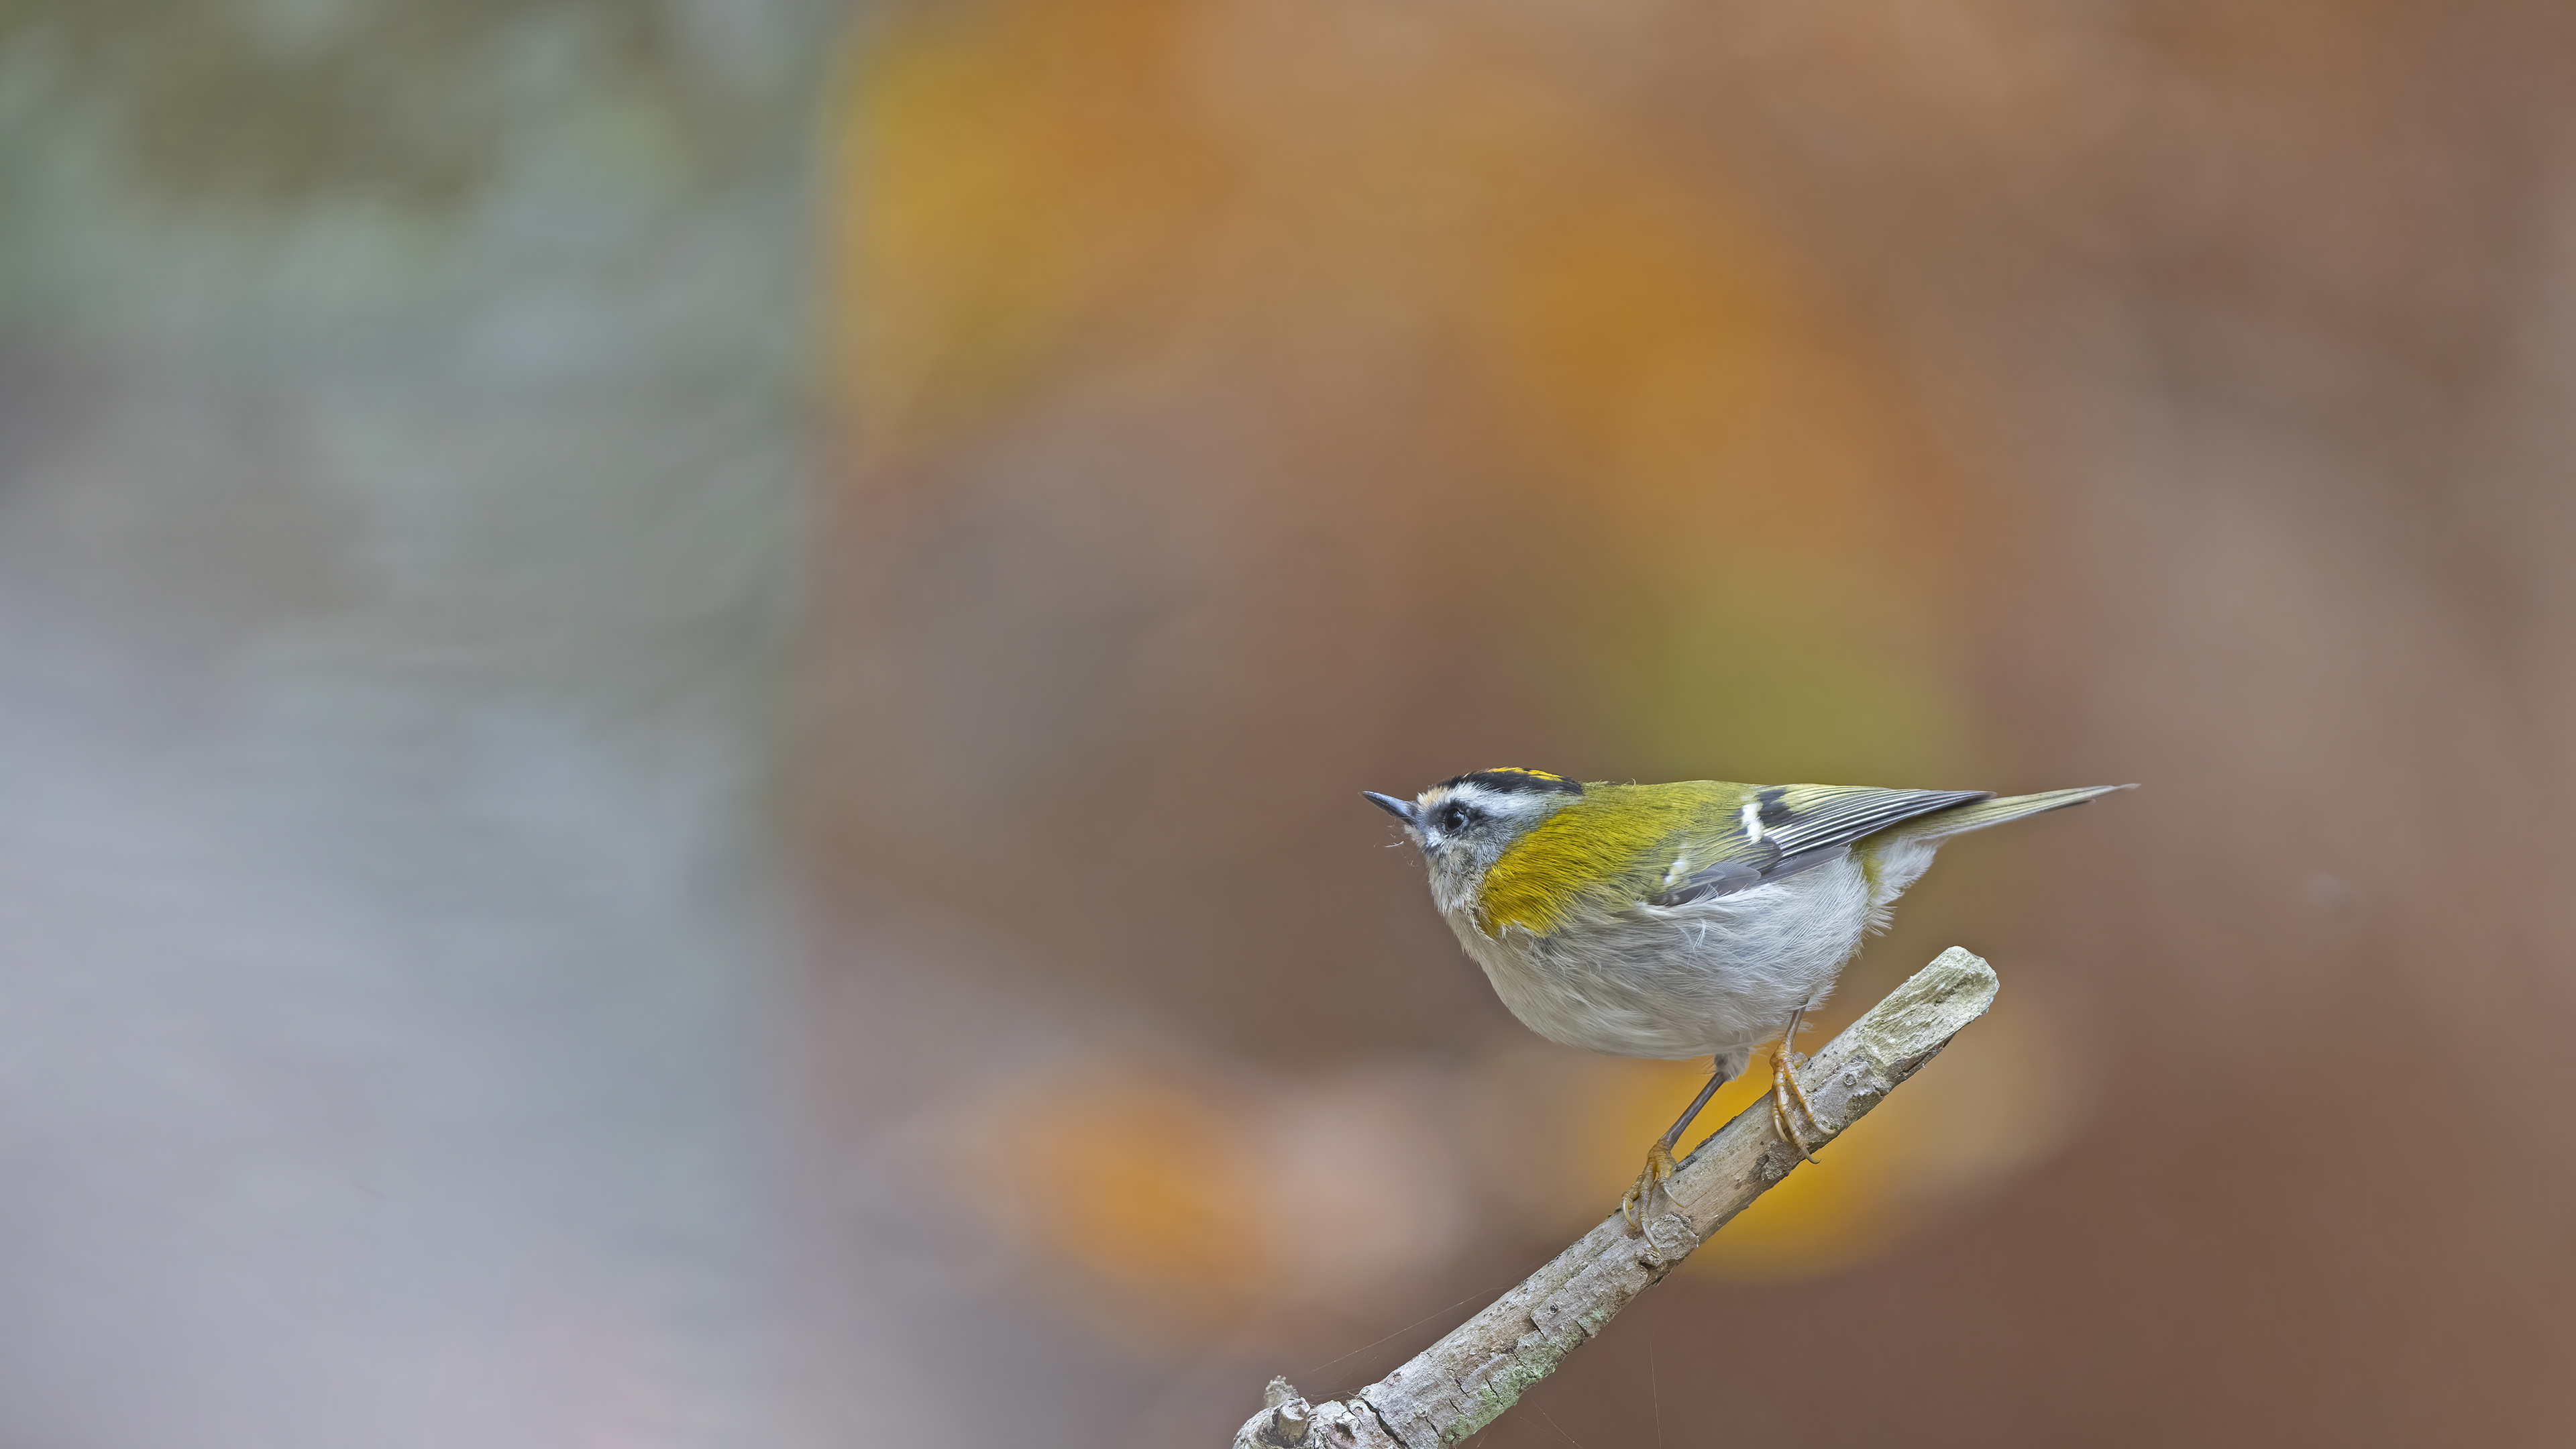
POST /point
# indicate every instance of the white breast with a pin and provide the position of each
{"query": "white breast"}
(1711, 978)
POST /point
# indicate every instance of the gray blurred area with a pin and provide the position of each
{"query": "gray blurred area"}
(402, 451)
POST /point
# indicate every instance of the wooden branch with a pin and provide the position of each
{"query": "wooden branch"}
(1466, 1380)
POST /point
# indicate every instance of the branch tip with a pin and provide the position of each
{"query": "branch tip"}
(1480, 1368)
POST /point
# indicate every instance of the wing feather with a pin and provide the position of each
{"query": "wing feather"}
(1821, 816)
(1784, 829)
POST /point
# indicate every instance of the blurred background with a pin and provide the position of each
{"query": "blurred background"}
(682, 684)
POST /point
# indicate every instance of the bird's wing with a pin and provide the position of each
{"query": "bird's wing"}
(1783, 829)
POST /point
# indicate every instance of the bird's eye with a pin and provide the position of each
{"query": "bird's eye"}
(1453, 818)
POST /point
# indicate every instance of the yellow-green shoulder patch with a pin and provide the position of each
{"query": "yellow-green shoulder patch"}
(1596, 849)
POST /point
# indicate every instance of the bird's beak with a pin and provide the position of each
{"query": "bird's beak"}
(1404, 810)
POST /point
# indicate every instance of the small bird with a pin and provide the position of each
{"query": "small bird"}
(1700, 918)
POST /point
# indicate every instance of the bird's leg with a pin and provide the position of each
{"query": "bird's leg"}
(1659, 1157)
(1785, 1090)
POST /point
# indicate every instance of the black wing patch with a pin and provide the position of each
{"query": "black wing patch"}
(1824, 817)
(1797, 827)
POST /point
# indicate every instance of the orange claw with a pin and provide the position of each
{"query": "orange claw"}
(1785, 1090)
(1659, 1170)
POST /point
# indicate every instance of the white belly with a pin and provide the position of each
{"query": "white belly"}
(1710, 979)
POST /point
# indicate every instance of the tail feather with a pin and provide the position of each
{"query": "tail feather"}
(1978, 814)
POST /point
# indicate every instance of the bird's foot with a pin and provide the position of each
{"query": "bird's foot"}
(1784, 1094)
(1659, 1170)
